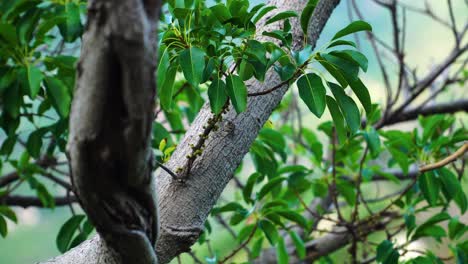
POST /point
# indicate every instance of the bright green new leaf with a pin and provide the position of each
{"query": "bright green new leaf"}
(312, 92)
(192, 61)
(217, 95)
(237, 92)
(354, 27)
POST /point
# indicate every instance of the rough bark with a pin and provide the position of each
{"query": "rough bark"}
(183, 208)
(109, 144)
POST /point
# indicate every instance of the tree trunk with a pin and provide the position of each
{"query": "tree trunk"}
(184, 207)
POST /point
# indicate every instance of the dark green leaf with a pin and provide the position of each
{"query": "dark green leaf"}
(217, 95)
(262, 13)
(355, 26)
(67, 231)
(192, 61)
(269, 186)
(348, 107)
(237, 92)
(3, 227)
(307, 14)
(269, 230)
(335, 72)
(456, 228)
(8, 213)
(362, 94)
(338, 119)
(341, 43)
(386, 254)
(430, 187)
(312, 92)
(72, 28)
(35, 78)
(281, 16)
(59, 95)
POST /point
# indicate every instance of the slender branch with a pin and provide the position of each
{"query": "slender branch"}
(457, 154)
(442, 108)
(235, 251)
(27, 201)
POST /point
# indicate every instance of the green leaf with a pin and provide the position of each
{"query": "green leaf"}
(358, 57)
(373, 141)
(217, 95)
(247, 190)
(334, 71)
(312, 92)
(461, 200)
(230, 207)
(3, 227)
(354, 27)
(257, 247)
(338, 119)
(262, 13)
(282, 252)
(450, 185)
(237, 92)
(456, 228)
(299, 244)
(270, 185)
(307, 14)
(341, 42)
(428, 228)
(434, 231)
(348, 107)
(8, 213)
(192, 61)
(34, 143)
(59, 95)
(430, 187)
(281, 16)
(293, 216)
(165, 79)
(8, 34)
(348, 191)
(346, 65)
(67, 231)
(72, 28)
(386, 254)
(221, 12)
(269, 230)
(12, 100)
(362, 94)
(35, 78)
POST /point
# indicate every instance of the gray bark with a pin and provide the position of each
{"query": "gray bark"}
(183, 208)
